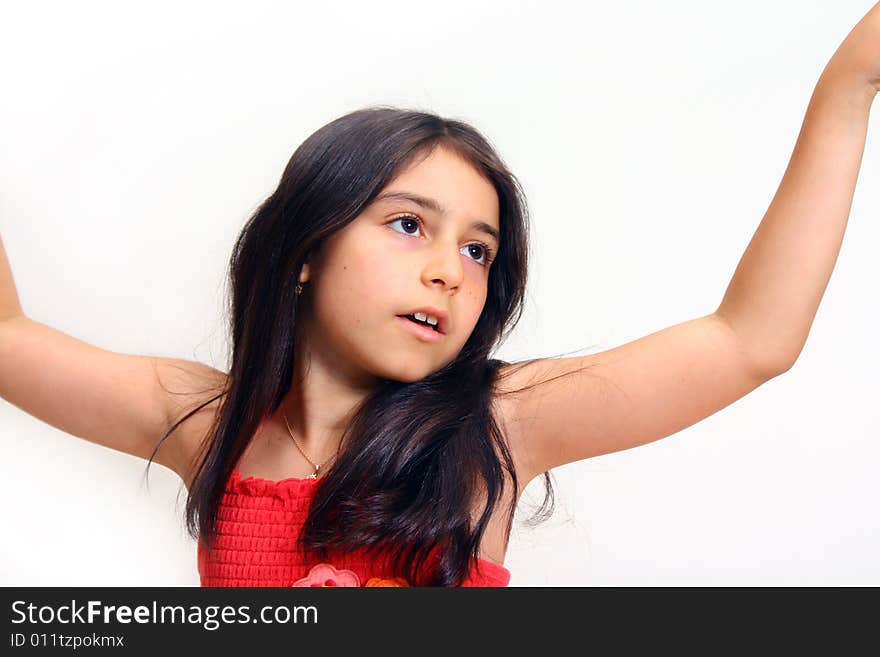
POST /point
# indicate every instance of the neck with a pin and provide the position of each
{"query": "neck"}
(320, 404)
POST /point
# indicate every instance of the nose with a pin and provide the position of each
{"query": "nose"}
(443, 267)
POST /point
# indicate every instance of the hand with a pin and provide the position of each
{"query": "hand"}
(857, 59)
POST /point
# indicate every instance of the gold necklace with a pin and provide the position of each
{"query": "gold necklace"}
(314, 475)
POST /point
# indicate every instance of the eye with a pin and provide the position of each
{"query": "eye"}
(413, 223)
(408, 219)
(487, 252)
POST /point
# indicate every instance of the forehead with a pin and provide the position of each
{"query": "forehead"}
(456, 187)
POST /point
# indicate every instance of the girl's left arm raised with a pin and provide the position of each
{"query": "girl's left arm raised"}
(659, 384)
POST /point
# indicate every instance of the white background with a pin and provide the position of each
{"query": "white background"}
(650, 139)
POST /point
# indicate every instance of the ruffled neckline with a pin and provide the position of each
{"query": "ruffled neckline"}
(298, 487)
(284, 488)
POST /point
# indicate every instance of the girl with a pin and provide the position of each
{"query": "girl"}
(362, 435)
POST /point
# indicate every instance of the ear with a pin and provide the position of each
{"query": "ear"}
(313, 261)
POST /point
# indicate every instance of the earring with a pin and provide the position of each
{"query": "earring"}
(298, 289)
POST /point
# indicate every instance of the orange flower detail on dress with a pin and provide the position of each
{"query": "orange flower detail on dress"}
(326, 575)
(394, 581)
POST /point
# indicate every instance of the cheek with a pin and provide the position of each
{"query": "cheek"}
(470, 307)
(358, 283)
(475, 293)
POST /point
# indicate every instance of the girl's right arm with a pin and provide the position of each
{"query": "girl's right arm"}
(120, 401)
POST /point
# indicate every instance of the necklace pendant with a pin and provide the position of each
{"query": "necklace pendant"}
(314, 475)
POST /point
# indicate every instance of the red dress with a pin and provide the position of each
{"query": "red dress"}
(257, 526)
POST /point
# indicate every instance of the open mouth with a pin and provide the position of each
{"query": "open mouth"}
(421, 323)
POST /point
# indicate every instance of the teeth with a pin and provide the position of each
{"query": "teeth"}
(430, 319)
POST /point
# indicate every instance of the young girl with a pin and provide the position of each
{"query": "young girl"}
(362, 435)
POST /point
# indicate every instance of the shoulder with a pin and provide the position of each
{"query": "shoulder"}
(194, 392)
(510, 388)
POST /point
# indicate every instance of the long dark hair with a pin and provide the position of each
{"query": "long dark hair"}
(416, 455)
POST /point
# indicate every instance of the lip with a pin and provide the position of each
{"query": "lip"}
(441, 315)
(420, 332)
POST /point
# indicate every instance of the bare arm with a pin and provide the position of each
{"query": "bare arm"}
(10, 306)
(659, 384)
(124, 402)
(775, 292)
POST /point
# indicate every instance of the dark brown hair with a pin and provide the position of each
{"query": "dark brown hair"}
(416, 455)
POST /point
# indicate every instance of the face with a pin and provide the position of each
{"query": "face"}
(400, 255)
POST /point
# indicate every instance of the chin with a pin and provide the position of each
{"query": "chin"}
(409, 378)
(408, 374)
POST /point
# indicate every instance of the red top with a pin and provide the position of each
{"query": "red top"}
(258, 524)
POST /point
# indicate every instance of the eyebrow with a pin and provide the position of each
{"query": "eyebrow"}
(435, 206)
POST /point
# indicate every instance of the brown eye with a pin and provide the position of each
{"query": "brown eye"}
(411, 221)
(486, 253)
(408, 220)
(481, 252)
